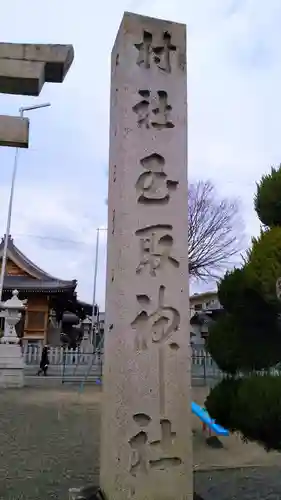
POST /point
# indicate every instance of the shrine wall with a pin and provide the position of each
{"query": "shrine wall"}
(36, 317)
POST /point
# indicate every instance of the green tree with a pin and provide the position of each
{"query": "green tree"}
(267, 200)
(246, 341)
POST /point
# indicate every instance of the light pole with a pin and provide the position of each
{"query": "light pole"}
(9, 216)
(93, 333)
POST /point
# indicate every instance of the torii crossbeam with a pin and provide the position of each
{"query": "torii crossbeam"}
(24, 68)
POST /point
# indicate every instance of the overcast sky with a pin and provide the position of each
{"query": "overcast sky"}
(234, 82)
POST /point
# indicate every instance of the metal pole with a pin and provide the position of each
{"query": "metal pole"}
(9, 216)
(93, 335)
(204, 369)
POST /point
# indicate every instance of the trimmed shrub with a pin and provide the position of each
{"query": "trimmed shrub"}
(246, 340)
(264, 266)
(224, 344)
(221, 401)
(252, 406)
(267, 200)
(240, 347)
(257, 412)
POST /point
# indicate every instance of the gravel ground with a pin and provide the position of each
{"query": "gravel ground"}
(260, 483)
(49, 442)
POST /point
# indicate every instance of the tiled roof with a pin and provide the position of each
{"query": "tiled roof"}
(23, 283)
(39, 280)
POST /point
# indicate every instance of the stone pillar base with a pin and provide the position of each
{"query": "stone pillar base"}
(11, 366)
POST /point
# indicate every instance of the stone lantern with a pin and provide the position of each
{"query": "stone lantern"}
(86, 327)
(86, 345)
(11, 358)
(12, 311)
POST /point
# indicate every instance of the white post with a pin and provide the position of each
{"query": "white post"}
(8, 225)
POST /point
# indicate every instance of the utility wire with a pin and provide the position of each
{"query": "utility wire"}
(53, 238)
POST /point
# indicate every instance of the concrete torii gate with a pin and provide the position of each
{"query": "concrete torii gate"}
(24, 68)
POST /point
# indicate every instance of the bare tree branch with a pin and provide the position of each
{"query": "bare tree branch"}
(214, 236)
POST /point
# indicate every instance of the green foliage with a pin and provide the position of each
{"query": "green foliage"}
(239, 295)
(258, 410)
(221, 401)
(224, 344)
(232, 289)
(264, 266)
(247, 338)
(237, 346)
(267, 200)
(251, 406)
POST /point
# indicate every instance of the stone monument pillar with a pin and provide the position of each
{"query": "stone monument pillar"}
(146, 451)
(11, 358)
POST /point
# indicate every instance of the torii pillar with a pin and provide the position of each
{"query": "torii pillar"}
(24, 68)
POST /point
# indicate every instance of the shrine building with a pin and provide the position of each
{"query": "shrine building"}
(47, 297)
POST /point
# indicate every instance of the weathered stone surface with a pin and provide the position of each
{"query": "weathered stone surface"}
(11, 366)
(24, 68)
(14, 131)
(146, 448)
(21, 77)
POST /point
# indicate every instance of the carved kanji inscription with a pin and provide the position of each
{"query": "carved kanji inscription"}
(156, 245)
(141, 448)
(113, 221)
(156, 54)
(153, 186)
(153, 111)
(156, 326)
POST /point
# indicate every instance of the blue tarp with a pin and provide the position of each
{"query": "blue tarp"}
(205, 417)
